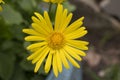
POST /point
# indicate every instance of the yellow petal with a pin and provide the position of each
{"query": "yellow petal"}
(36, 45)
(78, 44)
(77, 51)
(39, 16)
(39, 29)
(77, 34)
(45, 51)
(46, 0)
(40, 23)
(43, 22)
(72, 60)
(47, 18)
(59, 63)
(35, 20)
(72, 53)
(31, 31)
(1, 8)
(63, 18)
(75, 25)
(34, 38)
(66, 22)
(60, 1)
(63, 59)
(1, 1)
(35, 49)
(58, 17)
(48, 63)
(55, 69)
(54, 1)
(36, 53)
(41, 60)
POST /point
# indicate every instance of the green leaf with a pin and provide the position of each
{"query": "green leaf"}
(19, 74)
(92, 74)
(27, 65)
(113, 72)
(6, 66)
(16, 31)
(11, 16)
(4, 30)
(38, 77)
(27, 5)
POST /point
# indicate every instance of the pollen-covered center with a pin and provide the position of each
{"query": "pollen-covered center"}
(56, 40)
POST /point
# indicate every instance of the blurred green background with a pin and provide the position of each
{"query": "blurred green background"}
(16, 15)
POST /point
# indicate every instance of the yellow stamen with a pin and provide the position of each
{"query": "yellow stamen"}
(56, 40)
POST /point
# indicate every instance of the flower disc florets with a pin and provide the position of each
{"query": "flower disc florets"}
(56, 40)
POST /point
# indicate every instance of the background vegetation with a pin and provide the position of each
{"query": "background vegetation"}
(103, 37)
(15, 16)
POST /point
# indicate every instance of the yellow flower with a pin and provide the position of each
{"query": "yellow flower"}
(54, 1)
(1, 1)
(0, 8)
(56, 44)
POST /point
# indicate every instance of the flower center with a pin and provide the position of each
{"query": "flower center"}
(56, 40)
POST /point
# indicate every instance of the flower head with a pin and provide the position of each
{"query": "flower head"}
(54, 1)
(57, 44)
(1, 1)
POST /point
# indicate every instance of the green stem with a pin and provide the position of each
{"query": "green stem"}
(50, 7)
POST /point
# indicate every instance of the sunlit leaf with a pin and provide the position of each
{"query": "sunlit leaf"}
(11, 16)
